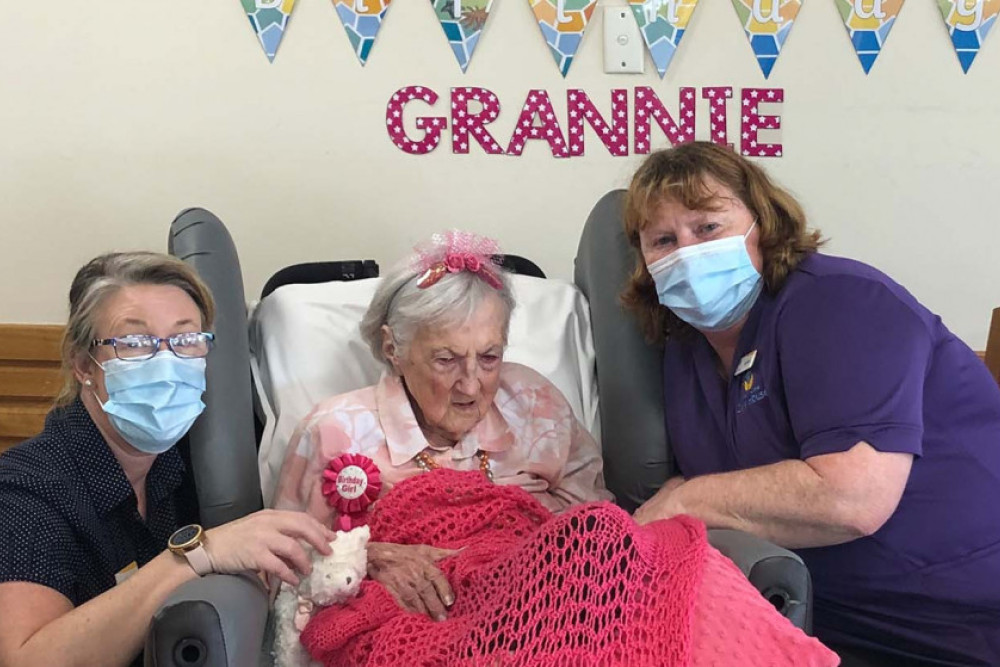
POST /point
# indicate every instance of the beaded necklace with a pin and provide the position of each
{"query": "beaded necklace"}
(426, 463)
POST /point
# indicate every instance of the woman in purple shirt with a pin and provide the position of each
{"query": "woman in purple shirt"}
(814, 402)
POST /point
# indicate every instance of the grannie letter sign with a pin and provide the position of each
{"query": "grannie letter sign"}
(464, 120)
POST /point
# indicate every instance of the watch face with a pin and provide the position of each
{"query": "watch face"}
(184, 535)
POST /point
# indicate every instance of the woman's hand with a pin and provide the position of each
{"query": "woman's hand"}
(268, 541)
(663, 504)
(409, 573)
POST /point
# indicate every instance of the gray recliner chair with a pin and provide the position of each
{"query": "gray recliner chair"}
(633, 430)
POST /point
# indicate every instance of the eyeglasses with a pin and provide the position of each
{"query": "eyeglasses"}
(139, 347)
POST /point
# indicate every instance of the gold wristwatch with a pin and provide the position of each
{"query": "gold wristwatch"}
(189, 542)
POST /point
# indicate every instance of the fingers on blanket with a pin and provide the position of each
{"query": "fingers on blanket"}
(442, 587)
(435, 554)
(428, 598)
(423, 590)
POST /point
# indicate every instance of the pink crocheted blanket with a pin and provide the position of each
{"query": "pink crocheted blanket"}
(587, 587)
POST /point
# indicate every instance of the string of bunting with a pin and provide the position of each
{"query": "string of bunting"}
(767, 24)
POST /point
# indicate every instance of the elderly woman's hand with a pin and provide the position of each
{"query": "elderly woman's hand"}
(268, 541)
(409, 573)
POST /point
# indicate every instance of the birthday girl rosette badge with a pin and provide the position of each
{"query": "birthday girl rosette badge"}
(351, 483)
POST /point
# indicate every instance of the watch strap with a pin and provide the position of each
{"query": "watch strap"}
(199, 561)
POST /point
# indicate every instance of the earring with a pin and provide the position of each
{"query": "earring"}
(88, 382)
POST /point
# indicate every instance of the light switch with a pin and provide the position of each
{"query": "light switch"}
(623, 48)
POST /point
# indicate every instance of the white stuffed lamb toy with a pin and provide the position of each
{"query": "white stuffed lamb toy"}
(334, 578)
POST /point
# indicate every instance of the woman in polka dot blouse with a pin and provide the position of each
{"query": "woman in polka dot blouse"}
(90, 509)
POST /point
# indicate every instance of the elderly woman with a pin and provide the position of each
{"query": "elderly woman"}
(90, 508)
(447, 400)
(813, 401)
(485, 458)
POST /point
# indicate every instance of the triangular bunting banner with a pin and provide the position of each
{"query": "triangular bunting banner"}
(968, 21)
(563, 23)
(269, 19)
(662, 23)
(868, 24)
(767, 24)
(362, 20)
(463, 22)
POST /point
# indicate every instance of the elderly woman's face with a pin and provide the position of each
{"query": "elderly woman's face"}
(673, 226)
(452, 372)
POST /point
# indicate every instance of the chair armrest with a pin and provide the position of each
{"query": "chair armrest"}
(215, 621)
(779, 574)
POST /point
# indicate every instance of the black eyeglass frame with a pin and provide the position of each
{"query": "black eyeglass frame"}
(155, 342)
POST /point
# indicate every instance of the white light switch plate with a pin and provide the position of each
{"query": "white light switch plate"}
(623, 47)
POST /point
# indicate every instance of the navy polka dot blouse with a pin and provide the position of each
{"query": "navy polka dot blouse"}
(68, 515)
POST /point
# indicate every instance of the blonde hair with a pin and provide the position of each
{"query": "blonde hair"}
(102, 277)
(682, 174)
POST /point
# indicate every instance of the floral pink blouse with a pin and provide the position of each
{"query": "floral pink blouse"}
(530, 433)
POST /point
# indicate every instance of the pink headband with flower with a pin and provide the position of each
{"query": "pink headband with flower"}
(456, 251)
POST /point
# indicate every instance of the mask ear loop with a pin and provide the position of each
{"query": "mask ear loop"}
(94, 359)
(752, 225)
(90, 383)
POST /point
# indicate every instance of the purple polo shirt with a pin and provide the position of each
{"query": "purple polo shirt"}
(843, 355)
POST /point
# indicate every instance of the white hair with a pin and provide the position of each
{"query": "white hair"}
(403, 307)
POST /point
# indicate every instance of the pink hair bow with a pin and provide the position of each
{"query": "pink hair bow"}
(456, 251)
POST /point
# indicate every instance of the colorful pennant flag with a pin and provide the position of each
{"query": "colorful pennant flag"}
(868, 24)
(463, 23)
(269, 19)
(362, 20)
(969, 21)
(662, 23)
(563, 23)
(767, 24)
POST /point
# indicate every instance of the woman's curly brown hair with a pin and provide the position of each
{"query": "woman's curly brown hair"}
(684, 174)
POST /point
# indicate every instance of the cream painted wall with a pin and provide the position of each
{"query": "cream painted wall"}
(117, 114)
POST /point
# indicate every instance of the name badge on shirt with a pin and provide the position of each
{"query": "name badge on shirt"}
(746, 363)
(126, 572)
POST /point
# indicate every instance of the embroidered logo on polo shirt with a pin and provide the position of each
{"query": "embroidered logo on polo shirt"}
(752, 391)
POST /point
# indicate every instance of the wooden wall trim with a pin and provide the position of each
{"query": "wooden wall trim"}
(29, 378)
(30, 342)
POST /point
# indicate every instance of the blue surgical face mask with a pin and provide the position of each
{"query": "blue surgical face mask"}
(153, 403)
(710, 285)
